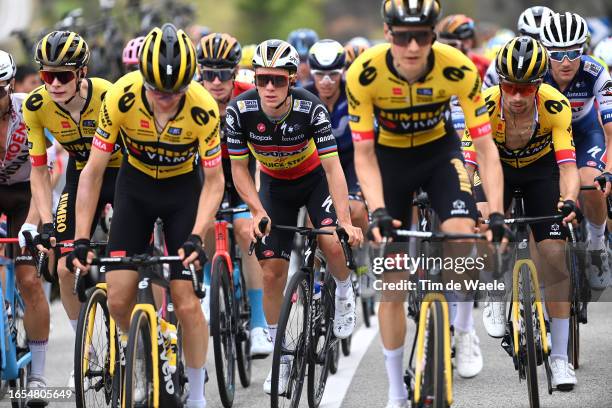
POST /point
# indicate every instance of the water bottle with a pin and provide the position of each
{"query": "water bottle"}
(317, 291)
(168, 331)
(237, 286)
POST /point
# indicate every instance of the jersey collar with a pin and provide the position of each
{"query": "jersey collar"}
(430, 65)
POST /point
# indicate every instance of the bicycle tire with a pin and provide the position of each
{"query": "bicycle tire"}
(140, 328)
(433, 391)
(295, 295)
(346, 345)
(329, 354)
(529, 339)
(19, 387)
(96, 303)
(366, 313)
(243, 336)
(222, 312)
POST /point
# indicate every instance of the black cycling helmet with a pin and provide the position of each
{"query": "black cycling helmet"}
(62, 49)
(410, 12)
(167, 60)
(522, 59)
(218, 50)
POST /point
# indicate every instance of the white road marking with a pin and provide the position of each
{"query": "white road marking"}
(339, 383)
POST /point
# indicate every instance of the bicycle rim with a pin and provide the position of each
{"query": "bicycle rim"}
(243, 338)
(139, 392)
(290, 344)
(93, 382)
(433, 391)
(528, 335)
(324, 352)
(574, 341)
(221, 327)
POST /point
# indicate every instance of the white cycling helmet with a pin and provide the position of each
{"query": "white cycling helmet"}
(7, 66)
(603, 50)
(564, 30)
(276, 54)
(326, 55)
(530, 20)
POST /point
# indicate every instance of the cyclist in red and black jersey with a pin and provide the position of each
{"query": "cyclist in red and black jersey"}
(218, 57)
(289, 132)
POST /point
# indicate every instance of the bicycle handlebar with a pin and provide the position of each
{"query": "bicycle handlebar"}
(437, 236)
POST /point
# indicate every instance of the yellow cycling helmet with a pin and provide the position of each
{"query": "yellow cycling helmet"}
(248, 51)
(167, 60)
(522, 59)
(62, 49)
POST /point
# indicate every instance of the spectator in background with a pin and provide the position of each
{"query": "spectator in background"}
(26, 79)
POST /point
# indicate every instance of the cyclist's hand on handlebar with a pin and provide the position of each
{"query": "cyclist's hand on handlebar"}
(80, 257)
(257, 217)
(192, 252)
(355, 236)
(570, 212)
(382, 225)
(26, 235)
(46, 239)
(603, 182)
(497, 227)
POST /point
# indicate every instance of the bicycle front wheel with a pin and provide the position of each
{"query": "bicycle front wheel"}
(139, 391)
(243, 336)
(222, 330)
(290, 345)
(92, 355)
(528, 338)
(433, 391)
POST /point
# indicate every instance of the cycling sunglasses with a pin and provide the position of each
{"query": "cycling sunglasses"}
(62, 76)
(404, 38)
(512, 88)
(572, 55)
(163, 94)
(4, 90)
(224, 75)
(279, 81)
(331, 76)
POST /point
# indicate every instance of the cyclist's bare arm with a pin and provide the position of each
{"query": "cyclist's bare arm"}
(337, 188)
(490, 172)
(40, 184)
(569, 181)
(210, 198)
(88, 191)
(246, 189)
(368, 173)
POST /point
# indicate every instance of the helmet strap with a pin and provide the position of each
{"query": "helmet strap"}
(79, 78)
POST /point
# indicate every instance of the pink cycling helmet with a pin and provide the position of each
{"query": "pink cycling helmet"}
(131, 50)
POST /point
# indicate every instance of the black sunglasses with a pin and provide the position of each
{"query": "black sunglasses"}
(209, 75)
(404, 38)
(279, 81)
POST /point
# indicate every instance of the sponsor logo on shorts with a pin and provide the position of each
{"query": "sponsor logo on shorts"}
(327, 221)
(459, 208)
(591, 163)
(268, 253)
(554, 230)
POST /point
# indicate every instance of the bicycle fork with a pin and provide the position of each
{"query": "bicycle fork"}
(538, 303)
(427, 302)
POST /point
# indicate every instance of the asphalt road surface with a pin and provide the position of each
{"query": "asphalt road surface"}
(361, 380)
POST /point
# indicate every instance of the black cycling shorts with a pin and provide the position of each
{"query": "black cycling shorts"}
(140, 200)
(437, 168)
(66, 207)
(15, 204)
(282, 200)
(539, 183)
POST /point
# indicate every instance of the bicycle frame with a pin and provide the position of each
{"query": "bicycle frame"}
(523, 259)
(8, 349)
(222, 247)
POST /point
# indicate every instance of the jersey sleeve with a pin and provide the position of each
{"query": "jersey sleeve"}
(109, 120)
(37, 142)
(467, 147)
(236, 142)
(457, 116)
(473, 104)
(360, 106)
(561, 123)
(209, 140)
(322, 132)
(603, 93)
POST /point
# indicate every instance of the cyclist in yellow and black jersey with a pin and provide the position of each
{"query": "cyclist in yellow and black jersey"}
(406, 86)
(67, 106)
(532, 130)
(168, 124)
